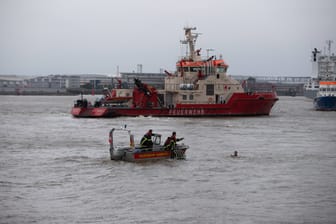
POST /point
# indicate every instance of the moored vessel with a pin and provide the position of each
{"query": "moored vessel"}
(326, 97)
(323, 69)
(199, 87)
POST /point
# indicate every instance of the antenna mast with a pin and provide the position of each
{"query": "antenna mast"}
(190, 39)
(329, 42)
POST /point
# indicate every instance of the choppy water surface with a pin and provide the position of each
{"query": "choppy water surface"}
(56, 169)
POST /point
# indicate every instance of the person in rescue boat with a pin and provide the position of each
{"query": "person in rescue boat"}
(170, 142)
(146, 140)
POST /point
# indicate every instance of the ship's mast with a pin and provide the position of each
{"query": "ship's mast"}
(329, 42)
(329, 63)
(190, 40)
(315, 57)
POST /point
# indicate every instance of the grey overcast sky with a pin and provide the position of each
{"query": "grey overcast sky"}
(255, 37)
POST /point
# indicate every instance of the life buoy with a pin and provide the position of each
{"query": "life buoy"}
(210, 100)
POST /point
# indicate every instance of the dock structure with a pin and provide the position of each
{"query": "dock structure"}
(276, 79)
(73, 84)
(284, 85)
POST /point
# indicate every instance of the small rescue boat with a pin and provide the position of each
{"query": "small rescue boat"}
(138, 153)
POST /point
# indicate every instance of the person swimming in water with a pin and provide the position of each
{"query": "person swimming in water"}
(235, 154)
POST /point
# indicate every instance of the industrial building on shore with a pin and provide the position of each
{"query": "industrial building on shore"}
(95, 83)
(73, 84)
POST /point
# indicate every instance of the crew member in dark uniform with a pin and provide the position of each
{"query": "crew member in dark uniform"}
(170, 143)
(146, 140)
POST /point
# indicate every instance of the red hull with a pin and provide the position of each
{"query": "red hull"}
(240, 104)
(90, 112)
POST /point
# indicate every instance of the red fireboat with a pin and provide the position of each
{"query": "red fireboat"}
(199, 88)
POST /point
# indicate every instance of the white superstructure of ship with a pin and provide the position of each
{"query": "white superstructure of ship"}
(323, 69)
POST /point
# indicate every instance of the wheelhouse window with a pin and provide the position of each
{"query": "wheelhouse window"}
(221, 69)
(195, 69)
(210, 90)
(184, 69)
